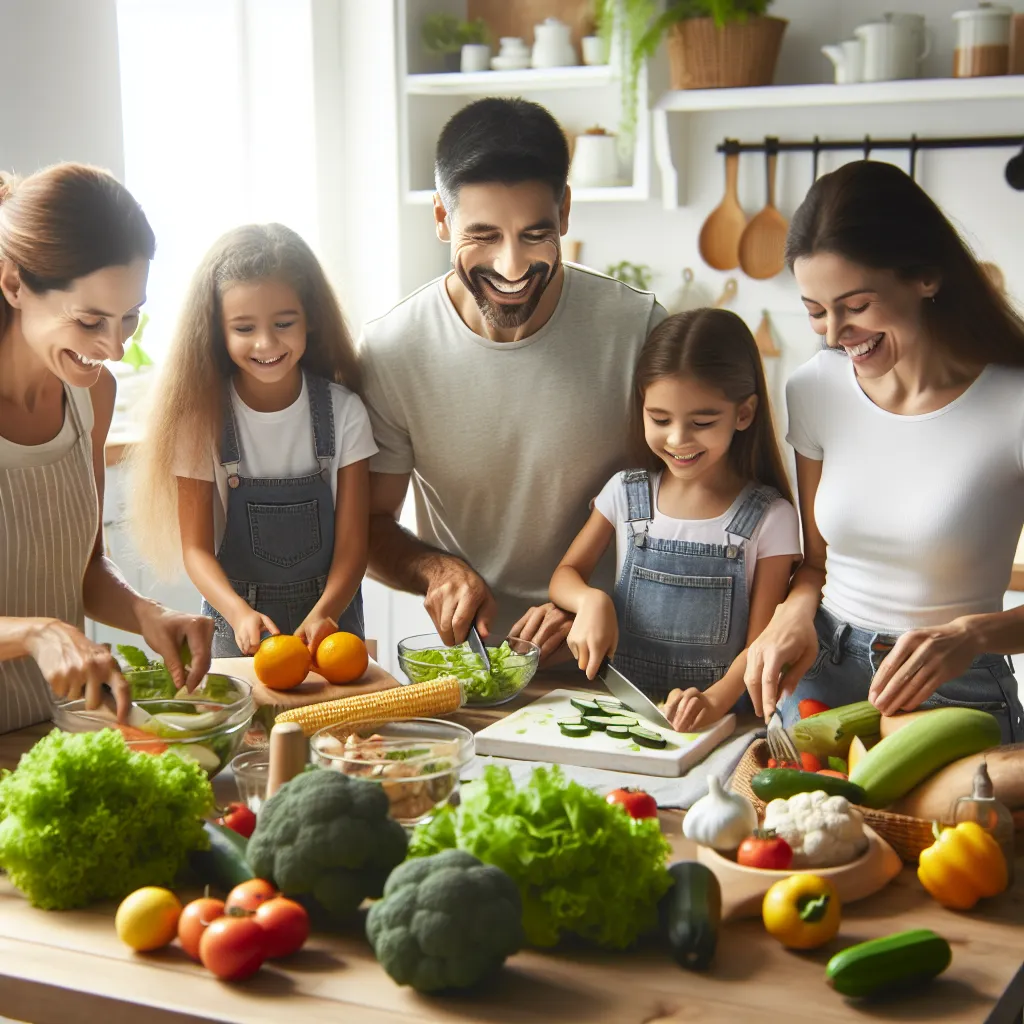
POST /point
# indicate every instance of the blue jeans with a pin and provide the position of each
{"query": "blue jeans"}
(849, 656)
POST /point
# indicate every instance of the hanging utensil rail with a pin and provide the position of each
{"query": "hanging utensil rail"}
(869, 144)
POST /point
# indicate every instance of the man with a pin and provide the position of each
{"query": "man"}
(501, 388)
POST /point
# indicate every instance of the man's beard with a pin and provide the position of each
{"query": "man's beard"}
(508, 315)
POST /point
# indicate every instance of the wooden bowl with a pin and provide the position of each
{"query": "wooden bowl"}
(743, 888)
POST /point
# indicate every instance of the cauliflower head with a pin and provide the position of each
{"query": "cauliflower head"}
(824, 831)
(445, 921)
(325, 839)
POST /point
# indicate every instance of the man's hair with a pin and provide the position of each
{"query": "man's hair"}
(500, 140)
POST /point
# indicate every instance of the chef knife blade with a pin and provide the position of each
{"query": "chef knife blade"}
(477, 646)
(637, 701)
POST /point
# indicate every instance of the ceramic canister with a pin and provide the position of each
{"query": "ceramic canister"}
(982, 41)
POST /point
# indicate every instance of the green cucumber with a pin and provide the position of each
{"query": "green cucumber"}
(585, 706)
(646, 738)
(895, 765)
(570, 721)
(577, 730)
(595, 721)
(626, 720)
(618, 732)
(893, 962)
(612, 705)
(782, 783)
(223, 865)
(690, 913)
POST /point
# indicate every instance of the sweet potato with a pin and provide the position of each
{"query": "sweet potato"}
(936, 797)
(890, 723)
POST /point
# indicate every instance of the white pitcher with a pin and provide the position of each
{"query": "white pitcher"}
(917, 39)
(846, 58)
(888, 51)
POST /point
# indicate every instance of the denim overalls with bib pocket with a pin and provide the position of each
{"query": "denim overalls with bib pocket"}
(279, 534)
(682, 606)
(849, 657)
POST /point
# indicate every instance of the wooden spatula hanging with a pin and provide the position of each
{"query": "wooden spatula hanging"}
(720, 236)
(763, 245)
(765, 338)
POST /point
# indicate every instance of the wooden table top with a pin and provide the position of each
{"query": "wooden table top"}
(55, 968)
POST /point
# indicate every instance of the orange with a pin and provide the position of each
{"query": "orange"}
(282, 662)
(341, 658)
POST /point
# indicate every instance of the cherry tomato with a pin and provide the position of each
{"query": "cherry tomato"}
(835, 775)
(195, 919)
(239, 819)
(809, 763)
(808, 707)
(635, 802)
(286, 924)
(765, 850)
(233, 947)
(249, 895)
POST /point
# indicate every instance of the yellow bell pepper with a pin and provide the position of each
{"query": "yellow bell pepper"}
(962, 866)
(801, 911)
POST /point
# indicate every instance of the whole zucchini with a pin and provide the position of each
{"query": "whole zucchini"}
(690, 913)
(223, 865)
(895, 765)
(830, 733)
(782, 783)
(894, 962)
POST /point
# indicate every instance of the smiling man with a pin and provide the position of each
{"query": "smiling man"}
(500, 389)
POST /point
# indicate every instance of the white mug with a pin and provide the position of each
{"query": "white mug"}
(847, 58)
(476, 57)
(594, 50)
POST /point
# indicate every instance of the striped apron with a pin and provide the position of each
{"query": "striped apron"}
(48, 523)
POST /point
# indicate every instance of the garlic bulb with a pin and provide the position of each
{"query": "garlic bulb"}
(722, 819)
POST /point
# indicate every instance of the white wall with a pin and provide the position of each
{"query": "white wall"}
(61, 91)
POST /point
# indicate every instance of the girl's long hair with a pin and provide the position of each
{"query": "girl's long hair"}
(185, 421)
(715, 347)
(873, 214)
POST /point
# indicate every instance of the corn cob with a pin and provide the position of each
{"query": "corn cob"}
(437, 697)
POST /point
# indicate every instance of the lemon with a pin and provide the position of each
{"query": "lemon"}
(148, 918)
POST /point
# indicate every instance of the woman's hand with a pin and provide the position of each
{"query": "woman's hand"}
(691, 709)
(75, 666)
(787, 647)
(249, 626)
(315, 628)
(595, 632)
(919, 663)
(166, 630)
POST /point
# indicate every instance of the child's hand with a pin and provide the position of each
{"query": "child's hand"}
(249, 627)
(315, 628)
(691, 709)
(595, 633)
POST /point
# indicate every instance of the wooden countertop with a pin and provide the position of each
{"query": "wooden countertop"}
(70, 966)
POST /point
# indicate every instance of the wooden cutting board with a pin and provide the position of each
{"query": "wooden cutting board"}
(532, 734)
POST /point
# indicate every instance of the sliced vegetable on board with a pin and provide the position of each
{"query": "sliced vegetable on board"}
(964, 864)
(802, 911)
(721, 818)
(690, 914)
(890, 964)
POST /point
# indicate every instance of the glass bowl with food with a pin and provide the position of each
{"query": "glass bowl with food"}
(513, 664)
(417, 761)
(206, 726)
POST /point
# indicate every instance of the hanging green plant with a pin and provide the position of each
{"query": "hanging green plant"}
(446, 34)
(636, 275)
(135, 355)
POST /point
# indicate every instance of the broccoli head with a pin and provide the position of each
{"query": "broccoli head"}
(326, 839)
(445, 921)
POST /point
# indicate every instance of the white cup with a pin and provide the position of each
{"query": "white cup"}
(476, 57)
(594, 50)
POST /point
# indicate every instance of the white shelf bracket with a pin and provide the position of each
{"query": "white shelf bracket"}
(663, 157)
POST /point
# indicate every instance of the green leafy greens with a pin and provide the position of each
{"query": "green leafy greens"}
(149, 680)
(509, 671)
(583, 866)
(84, 818)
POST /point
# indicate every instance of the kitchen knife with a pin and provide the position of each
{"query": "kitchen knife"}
(477, 646)
(637, 701)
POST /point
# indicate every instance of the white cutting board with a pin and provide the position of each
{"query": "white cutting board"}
(532, 734)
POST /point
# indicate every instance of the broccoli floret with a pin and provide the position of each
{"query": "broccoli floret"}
(326, 839)
(445, 922)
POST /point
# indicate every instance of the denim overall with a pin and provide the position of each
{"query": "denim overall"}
(682, 607)
(849, 656)
(279, 534)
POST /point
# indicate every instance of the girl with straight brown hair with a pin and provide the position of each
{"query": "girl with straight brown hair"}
(705, 531)
(75, 250)
(909, 434)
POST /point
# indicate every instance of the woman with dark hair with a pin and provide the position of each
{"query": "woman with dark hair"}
(909, 434)
(75, 250)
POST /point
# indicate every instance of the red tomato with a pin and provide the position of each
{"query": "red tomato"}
(635, 802)
(233, 947)
(828, 771)
(808, 762)
(765, 850)
(239, 819)
(195, 919)
(249, 895)
(286, 924)
(809, 707)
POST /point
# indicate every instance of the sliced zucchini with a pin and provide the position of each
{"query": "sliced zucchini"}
(625, 720)
(646, 738)
(585, 706)
(206, 758)
(570, 721)
(610, 702)
(618, 732)
(577, 731)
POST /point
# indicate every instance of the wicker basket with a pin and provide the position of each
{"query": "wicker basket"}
(907, 836)
(741, 53)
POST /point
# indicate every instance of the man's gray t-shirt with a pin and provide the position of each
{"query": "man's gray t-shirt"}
(507, 442)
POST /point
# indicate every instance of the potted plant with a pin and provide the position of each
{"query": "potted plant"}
(445, 35)
(637, 275)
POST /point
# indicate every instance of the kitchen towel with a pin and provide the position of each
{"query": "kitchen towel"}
(680, 793)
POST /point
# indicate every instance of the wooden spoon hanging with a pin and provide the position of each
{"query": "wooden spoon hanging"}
(720, 236)
(765, 338)
(763, 245)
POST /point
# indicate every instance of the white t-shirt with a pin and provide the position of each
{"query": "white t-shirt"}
(280, 444)
(778, 532)
(507, 442)
(922, 514)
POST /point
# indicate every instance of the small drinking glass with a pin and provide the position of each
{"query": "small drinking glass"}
(251, 770)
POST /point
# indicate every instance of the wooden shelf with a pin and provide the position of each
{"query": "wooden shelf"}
(610, 194)
(474, 83)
